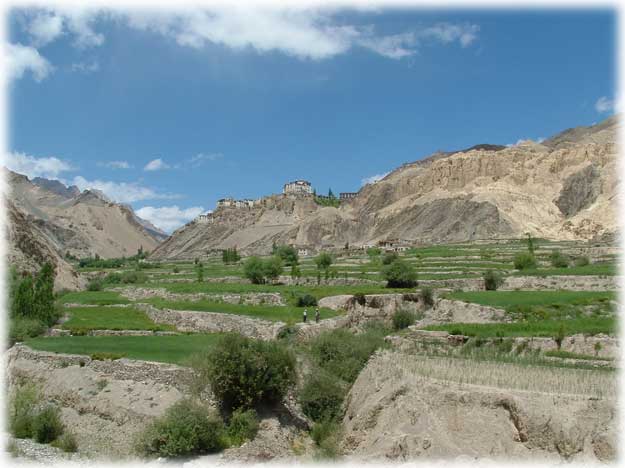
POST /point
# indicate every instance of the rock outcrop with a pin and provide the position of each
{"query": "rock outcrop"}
(562, 189)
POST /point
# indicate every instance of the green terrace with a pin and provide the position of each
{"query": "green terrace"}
(174, 349)
(84, 319)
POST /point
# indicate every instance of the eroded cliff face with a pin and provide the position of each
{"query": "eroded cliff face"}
(563, 189)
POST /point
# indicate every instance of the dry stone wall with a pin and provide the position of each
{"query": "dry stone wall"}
(213, 322)
(139, 294)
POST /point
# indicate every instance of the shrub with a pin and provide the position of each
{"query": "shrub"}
(175, 270)
(323, 261)
(287, 253)
(21, 328)
(321, 396)
(253, 270)
(582, 261)
(400, 274)
(360, 298)
(326, 435)
(524, 261)
(374, 253)
(403, 319)
(133, 277)
(243, 372)
(186, 428)
(558, 259)
(47, 425)
(66, 442)
(230, 256)
(113, 278)
(492, 280)
(272, 268)
(344, 354)
(94, 285)
(427, 296)
(389, 257)
(306, 300)
(243, 426)
(199, 271)
(22, 410)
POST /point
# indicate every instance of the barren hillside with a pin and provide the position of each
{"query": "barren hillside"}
(562, 189)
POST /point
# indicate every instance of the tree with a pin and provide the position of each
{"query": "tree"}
(389, 257)
(492, 280)
(253, 270)
(524, 261)
(295, 272)
(43, 295)
(287, 253)
(323, 262)
(400, 274)
(347, 245)
(530, 244)
(22, 305)
(272, 268)
(230, 256)
(199, 268)
(374, 253)
(330, 194)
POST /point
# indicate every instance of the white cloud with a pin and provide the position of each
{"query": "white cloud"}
(48, 167)
(168, 218)
(304, 33)
(115, 164)
(604, 105)
(85, 67)
(373, 179)
(200, 158)
(19, 59)
(45, 28)
(156, 165)
(121, 192)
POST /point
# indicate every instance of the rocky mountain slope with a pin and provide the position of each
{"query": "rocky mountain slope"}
(29, 248)
(564, 188)
(81, 223)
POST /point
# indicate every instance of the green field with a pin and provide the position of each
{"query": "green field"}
(93, 297)
(596, 269)
(173, 349)
(110, 318)
(545, 328)
(509, 299)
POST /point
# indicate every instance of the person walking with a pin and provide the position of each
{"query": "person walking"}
(317, 315)
(305, 315)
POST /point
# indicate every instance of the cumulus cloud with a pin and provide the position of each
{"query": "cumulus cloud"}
(31, 166)
(373, 179)
(121, 192)
(115, 164)
(156, 165)
(20, 59)
(169, 218)
(45, 27)
(604, 105)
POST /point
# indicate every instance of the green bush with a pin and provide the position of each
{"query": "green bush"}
(343, 354)
(186, 428)
(113, 278)
(243, 426)
(21, 328)
(306, 300)
(326, 435)
(253, 270)
(47, 425)
(427, 296)
(272, 268)
(287, 253)
(403, 319)
(22, 410)
(103, 356)
(400, 274)
(360, 298)
(492, 280)
(95, 285)
(175, 270)
(243, 372)
(230, 256)
(66, 442)
(558, 259)
(582, 261)
(524, 261)
(133, 277)
(321, 396)
(389, 257)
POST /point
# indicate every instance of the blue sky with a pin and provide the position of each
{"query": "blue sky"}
(171, 111)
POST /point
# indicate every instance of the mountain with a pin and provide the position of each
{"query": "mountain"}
(81, 223)
(564, 188)
(29, 248)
